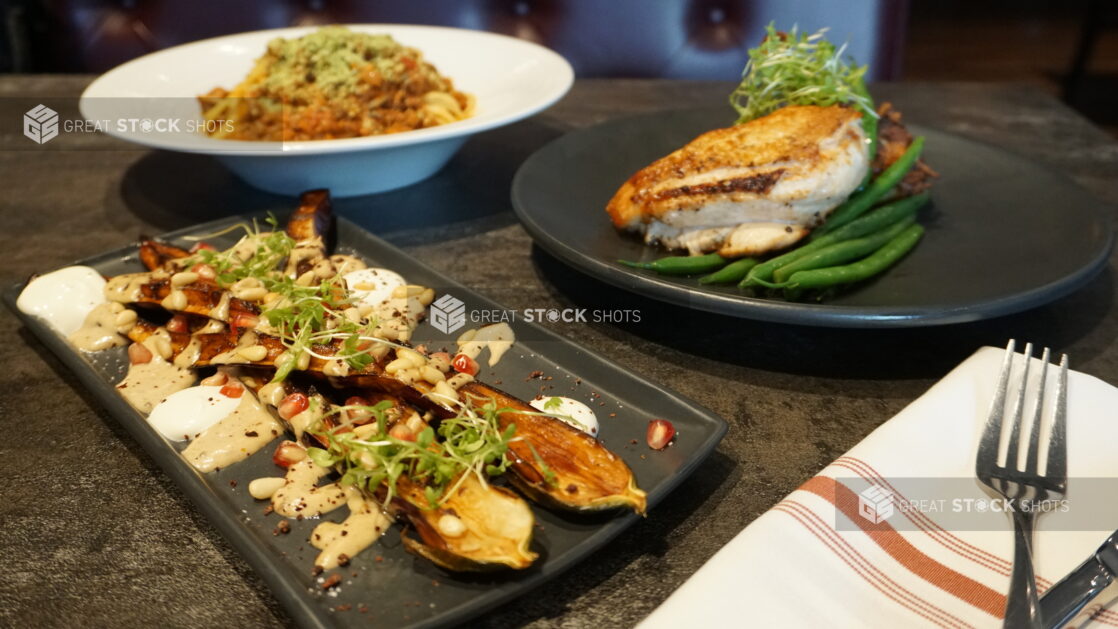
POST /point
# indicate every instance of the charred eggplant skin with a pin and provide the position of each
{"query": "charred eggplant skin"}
(556, 464)
(155, 254)
(313, 218)
(468, 553)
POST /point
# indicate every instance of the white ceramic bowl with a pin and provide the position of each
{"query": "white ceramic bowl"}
(153, 101)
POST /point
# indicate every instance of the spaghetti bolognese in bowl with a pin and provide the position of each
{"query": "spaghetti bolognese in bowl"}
(394, 119)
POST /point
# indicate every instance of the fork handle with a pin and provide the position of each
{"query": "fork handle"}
(1022, 608)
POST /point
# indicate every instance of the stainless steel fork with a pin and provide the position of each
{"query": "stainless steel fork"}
(1025, 490)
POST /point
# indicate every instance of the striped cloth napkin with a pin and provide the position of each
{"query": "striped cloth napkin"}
(816, 559)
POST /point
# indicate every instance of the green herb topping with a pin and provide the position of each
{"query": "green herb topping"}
(439, 459)
(795, 68)
(303, 316)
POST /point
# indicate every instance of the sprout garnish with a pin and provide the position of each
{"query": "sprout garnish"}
(795, 68)
(302, 316)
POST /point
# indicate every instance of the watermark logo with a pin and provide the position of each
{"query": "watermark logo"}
(875, 504)
(448, 313)
(40, 124)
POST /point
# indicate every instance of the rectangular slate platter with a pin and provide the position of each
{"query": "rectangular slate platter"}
(396, 588)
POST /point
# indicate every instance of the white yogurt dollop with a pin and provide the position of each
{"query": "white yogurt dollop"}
(63, 298)
(566, 409)
(373, 286)
(186, 413)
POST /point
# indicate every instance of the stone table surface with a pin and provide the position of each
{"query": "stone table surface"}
(795, 397)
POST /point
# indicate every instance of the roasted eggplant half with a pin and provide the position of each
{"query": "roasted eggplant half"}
(557, 464)
(475, 527)
(478, 529)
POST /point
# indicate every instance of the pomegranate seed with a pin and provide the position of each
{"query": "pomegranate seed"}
(178, 323)
(243, 320)
(464, 364)
(288, 453)
(204, 271)
(233, 389)
(292, 405)
(139, 354)
(660, 433)
(198, 246)
(216, 380)
(401, 432)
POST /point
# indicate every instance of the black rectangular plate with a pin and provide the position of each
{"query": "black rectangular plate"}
(398, 588)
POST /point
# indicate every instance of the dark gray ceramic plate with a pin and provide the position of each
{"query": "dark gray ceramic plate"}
(399, 589)
(1003, 234)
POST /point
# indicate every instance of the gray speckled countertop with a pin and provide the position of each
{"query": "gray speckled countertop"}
(795, 397)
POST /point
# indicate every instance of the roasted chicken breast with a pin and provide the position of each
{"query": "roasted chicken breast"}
(748, 189)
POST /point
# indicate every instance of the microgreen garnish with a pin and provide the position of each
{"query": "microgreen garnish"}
(301, 316)
(439, 459)
(257, 254)
(795, 68)
(553, 404)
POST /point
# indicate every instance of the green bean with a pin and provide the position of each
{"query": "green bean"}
(681, 265)
(844, 251)
(856, 205)
(871, 222)
(869, 121)
(732, 273)
(863, 269)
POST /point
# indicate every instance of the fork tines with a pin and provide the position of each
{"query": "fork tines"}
(989, 463)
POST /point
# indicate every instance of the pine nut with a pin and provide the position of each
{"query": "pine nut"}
(264, 488)
(452, 526)
(126, 318)
(253, 353)
(338, 368)
(252, 294)
(407, 376)
(432, 375)
(272, 393)
(397, 365)
(175, 301)
(305, 279)
(415, 358)
(183, 278)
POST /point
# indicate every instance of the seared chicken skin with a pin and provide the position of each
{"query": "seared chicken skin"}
(749, 189)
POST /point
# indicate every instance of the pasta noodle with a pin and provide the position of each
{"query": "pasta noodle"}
(334, 83)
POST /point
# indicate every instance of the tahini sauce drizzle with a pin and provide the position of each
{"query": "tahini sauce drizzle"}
(497, 337)
(100, 330)
(148, 384)
(235, 438)
(126, 288)
(365, 524)
(300, 495)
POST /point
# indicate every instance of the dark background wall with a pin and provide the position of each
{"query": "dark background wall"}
(1069, 48)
